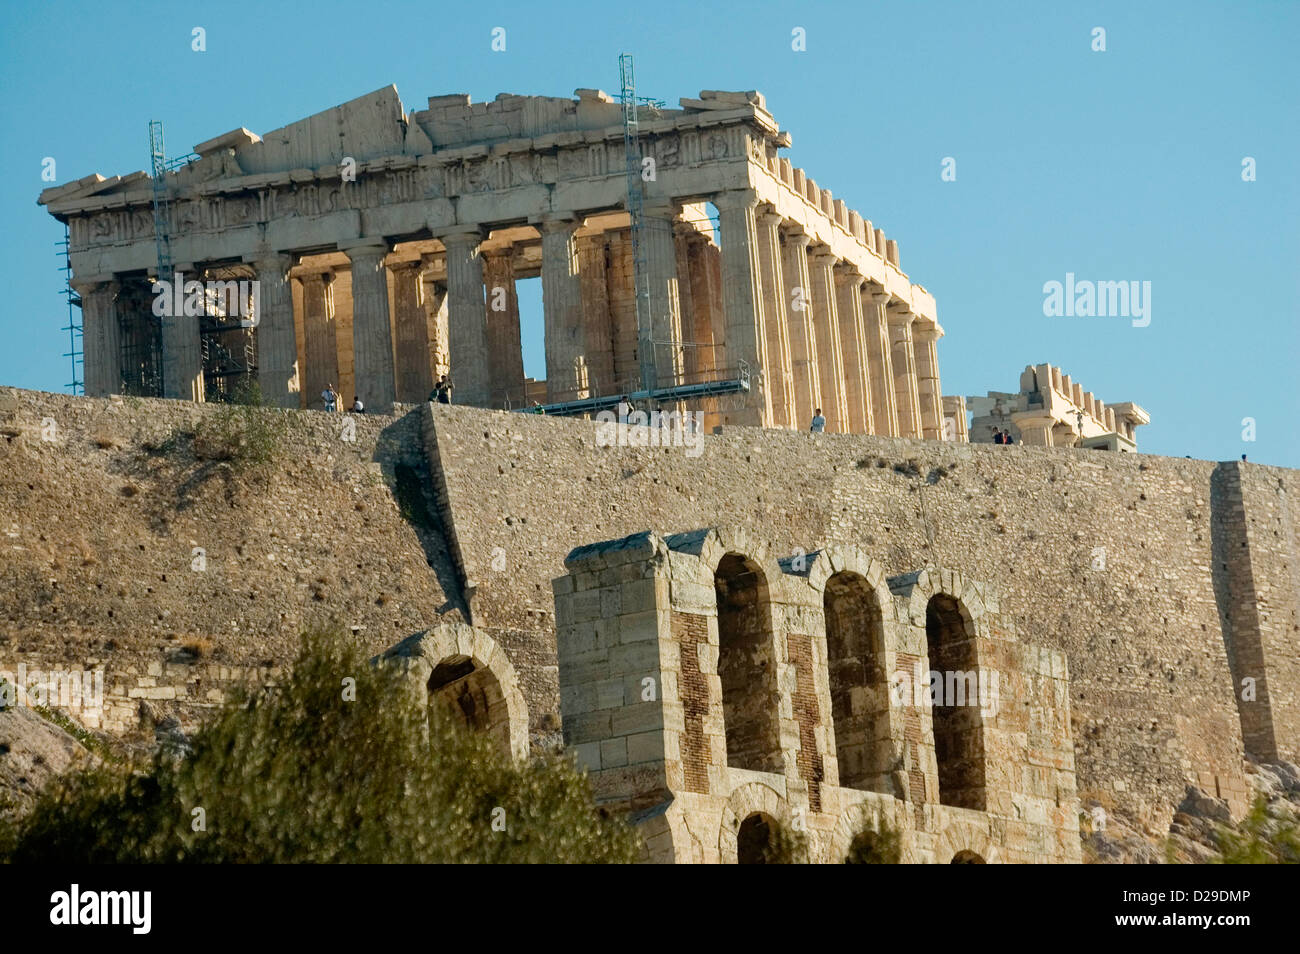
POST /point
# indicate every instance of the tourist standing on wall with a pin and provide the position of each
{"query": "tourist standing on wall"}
(330, 397)
(441, 393)
(818, 423)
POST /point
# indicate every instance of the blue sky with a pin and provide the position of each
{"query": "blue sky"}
(1123, 165)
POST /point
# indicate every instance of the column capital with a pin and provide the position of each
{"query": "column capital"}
(559, 222)
(768, 217)
(684, 229)
(848, 274)
(821, 256)
(926, 331)
(800, 238)
(365, 248)
(900, 315)
(879, 296)
(497, 251)
(269, 260)
(461, 236)
(734, 199)
(90, 284)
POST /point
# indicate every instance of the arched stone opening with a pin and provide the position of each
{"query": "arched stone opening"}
(855, 648)
(967, 858)
(471, 696)
(746, 666)
(754, 840)
(955, 703)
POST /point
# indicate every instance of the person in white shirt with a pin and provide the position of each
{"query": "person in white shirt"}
(357, 406)
(818, 423)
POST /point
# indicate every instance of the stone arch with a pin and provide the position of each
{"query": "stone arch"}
(962, 838)
(754, 837)
(747, 664)
(951, 613)
(854, 601)
(467, 672)
(868, 813)
(955, 712)
(754, 798)
(747, 583)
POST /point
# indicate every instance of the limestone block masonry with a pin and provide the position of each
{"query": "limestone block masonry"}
(775, 588)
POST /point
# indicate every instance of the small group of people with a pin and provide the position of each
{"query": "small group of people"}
(331, 399)
(1002, 437)
(441, 393)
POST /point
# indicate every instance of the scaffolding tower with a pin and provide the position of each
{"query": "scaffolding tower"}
(75, 350)
(636, 213)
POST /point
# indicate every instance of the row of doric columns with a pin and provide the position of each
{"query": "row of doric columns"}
(766, 300)
(835, 341)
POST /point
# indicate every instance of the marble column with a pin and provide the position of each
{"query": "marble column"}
(562, 309)
(372, 332)
(742, 296)
(435, 310)
(780, 378)
(830, 359)
(853, 347)
(504, 341)
(880, 363)
(101, 342)
(277, 343)
(665, 318)
(182, 347)
(925, 335)
(708, 323)
(802, 332)
(467, 320)
(414, 360)
(954, 410)
(1035, 428)
(320, 349)
(597, 324)
(903, 353)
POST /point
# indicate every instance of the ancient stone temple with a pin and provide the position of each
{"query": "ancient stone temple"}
(1050, 410)
(386, 246)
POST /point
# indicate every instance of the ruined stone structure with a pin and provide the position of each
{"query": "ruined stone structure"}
(1050, 410)
(728, 638)
(1141, 612)
(386, 246)
(710, 688)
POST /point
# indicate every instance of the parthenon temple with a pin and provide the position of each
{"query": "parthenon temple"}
(386, 247)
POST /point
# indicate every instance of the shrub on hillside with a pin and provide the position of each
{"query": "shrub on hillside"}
(243, 434)
(301, 774)
(1260, 839)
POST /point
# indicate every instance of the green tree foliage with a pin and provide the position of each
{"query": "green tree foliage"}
(1259, 840)
(871, 846)
(300, 774)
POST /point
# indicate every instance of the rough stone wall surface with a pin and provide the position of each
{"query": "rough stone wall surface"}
(1103, 556)
(99, 538)
(1265, 567)
(1106, 557)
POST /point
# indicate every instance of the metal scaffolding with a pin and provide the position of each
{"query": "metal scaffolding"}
(73, 327)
